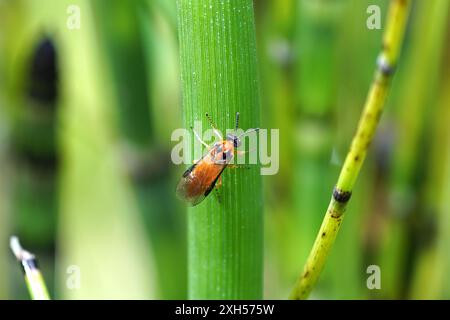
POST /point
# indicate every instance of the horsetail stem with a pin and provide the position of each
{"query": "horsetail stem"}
(33, 277)
(386, 63)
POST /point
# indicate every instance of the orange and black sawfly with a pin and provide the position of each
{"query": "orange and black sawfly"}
(200, 179)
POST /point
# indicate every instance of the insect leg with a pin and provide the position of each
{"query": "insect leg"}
(200, 139)
(219, 182)
(241, 166)
(244, 152)
(217, 134)
(238, 166)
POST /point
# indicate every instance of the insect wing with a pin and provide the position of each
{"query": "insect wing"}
(198, 181)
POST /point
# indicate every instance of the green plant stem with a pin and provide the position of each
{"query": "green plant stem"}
(99, 223)
(411, 175)
(275, 38)
(33, 277)
(317, 36)
(219, 76)
(387, 60)
(429, 277)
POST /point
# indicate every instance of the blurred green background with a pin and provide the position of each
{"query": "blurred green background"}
(86, 116)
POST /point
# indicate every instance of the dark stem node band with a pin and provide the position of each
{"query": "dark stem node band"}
(29, 265)
(341, 196)
(384, 66)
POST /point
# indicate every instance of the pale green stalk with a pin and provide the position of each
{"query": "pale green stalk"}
(33, 277)
(387, 60)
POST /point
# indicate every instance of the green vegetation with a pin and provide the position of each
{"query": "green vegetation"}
(386, 63)
(219, 77)
(33, 277)
(86, 119)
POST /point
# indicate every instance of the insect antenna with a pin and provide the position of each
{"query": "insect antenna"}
(213, 126)
(249, 131)
(237, 122)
